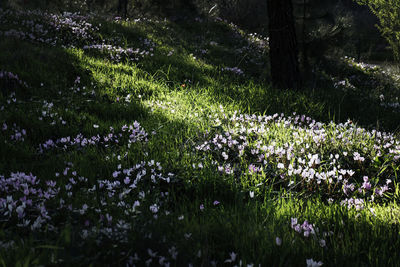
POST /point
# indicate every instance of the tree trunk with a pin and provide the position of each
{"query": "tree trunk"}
(283, 45)
(123, 8)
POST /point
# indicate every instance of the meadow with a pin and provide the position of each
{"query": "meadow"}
(147, 142)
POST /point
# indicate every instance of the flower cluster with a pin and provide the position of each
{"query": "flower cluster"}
(73, 27)
(360, 65)
(307, 230)
(67, 29)
(394, 105)
(235, 70)
(128, 135)
(70, 30)
(31, 204)
(16, 133)
(47, 112)
(25, 201)
(344, 85)
(259, 41)
(303, 154)
(11, 78)
(117, 53)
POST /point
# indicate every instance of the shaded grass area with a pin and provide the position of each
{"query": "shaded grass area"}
(239, 223)
(248, 227)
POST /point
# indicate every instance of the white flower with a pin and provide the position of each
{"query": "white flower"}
(173, 252)
(233, 257)
(278, 241)
(151, 253)
(95, 126)
(312, 263)
(154, 208)
(187, 235)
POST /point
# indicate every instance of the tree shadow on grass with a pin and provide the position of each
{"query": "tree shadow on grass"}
(355, 93)
(53, 105)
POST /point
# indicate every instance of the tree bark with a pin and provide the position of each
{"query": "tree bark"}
(283, 45)
(123, 8)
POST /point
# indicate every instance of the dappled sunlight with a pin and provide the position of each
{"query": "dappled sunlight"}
(149, 142)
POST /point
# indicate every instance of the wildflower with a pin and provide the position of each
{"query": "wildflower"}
(293, 222)
(20, 211)
(148, 262)
(201, 207)
(173, 252)
(109, 218)
(366, 185)
(278, 241)
(312, 263)
(187, 235)
(233, 257)
(154, 208)
(151, 253)
(216, 202)
(357, 157)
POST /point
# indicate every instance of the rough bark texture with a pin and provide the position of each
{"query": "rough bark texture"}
(283, 45)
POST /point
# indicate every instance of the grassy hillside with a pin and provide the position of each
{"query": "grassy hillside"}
(148, 142)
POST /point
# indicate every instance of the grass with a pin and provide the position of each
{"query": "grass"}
(151, 192)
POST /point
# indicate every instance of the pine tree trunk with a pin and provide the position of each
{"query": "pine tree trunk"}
(123, 8)
(283, 45)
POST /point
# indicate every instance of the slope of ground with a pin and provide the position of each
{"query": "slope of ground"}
(149, 142)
